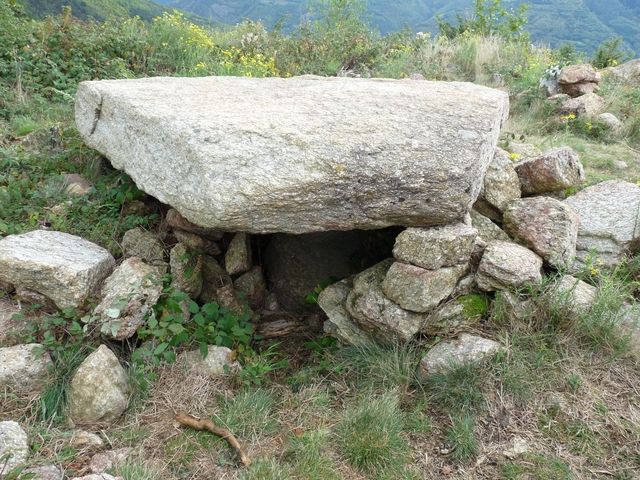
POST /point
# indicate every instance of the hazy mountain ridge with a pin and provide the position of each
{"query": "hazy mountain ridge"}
(585, 23)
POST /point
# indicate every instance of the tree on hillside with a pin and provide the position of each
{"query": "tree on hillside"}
(489, 17)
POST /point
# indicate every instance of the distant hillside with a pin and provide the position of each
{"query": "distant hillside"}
(96, 9)
(584, 23)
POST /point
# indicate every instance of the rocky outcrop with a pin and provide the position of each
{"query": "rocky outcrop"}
(375, 313)
(434, 248)
(128, 295)
(609, 214)
(14, 446)
(547, 226)
(99, 389)
(252, 287)
(501, 186)
(466, 349)
(144, 245)
(238, 257)
(487, 229)
(45, 472)
(573, 296)
(577, 80)
(339, 323)
(257, 157)
(186, 270)
(63, 267)
(628, 72)
(24, 368)
(507, 265)
(588, 105)
(214, 278)
(555, 170)
(418, 289)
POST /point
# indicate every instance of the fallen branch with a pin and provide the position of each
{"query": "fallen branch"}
(198, 424)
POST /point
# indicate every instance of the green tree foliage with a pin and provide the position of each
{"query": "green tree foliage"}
(490, 17)
(610, 53)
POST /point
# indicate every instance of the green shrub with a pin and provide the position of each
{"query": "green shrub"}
(610, 53)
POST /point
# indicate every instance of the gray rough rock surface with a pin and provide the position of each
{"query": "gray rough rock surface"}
(449, 354)
(612, 122)
(487, 230)
(572, 295)
(420, 290)
(65, 268)
(609, 215)
(214, 277)
(588, 105)
(14, 445)
(24, 368)
(339, 324)
(506, 265)
(628, 72)
(253, 287)
(297, 155)
(547, 226)
(145, 245)
(501, 186)
(579, 89)
(238, 258)
(99, 389)
(436, 247)
(197, 243)
(76, 185)
(178, 222)
(446, 317)
(128, 295)
(186, 270)
(375, 313)
(101, 462)
(46, 472)
(83, 440)
(10, 328)
(578, 74)
(556, 169)
(214, 364)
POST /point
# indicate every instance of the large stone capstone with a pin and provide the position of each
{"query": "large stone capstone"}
(301, 154)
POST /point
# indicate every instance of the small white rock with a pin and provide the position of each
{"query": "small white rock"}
(451, 353)
(14, 445)
(214, 364)
(99, 389)
(24, 368)
(104, 461)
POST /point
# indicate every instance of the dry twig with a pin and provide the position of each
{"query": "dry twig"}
(199, 424)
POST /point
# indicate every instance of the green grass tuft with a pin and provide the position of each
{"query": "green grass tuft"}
(370, 433)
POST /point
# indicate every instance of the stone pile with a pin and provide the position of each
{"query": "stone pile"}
(507, 246)
(573, 90)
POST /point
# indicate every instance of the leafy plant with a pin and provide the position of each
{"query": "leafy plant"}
(610, 53)
(257, 366)
(490, 17)
(176, 321)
